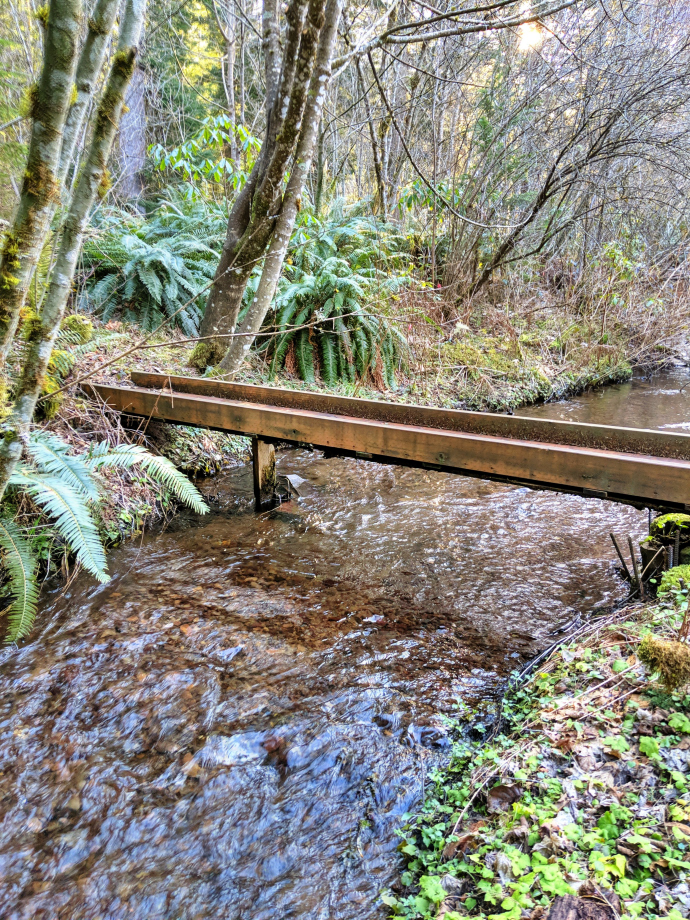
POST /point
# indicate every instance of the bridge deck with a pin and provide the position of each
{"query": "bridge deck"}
(634, 466)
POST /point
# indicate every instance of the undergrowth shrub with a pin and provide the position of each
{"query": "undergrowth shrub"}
(339, 282)
(148, 270)
(66, 489)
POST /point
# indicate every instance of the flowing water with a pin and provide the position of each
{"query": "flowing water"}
(234, 725)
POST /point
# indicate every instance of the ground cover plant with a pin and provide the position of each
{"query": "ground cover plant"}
(67, 489)
(584, 792)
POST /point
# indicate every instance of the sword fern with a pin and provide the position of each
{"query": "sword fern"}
(19, 563)
(350, 263)
(67, 488)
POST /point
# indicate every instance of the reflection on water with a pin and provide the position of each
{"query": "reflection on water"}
(659, 401)
(233, 726)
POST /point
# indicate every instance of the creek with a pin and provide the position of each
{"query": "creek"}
(234, 725)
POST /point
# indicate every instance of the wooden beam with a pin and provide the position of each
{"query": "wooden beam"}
(550, 431)
(626, 477)
(264, 462)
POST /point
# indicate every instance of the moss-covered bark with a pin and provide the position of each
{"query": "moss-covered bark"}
(286, 220)
(49, 106)
(88, 71)
(252, 220)
(42, 335)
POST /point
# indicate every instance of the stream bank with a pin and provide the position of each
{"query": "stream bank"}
(585, 793)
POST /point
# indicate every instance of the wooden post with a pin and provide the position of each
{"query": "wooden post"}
(264, 457)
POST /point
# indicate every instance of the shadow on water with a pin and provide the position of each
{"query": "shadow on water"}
(233, 726)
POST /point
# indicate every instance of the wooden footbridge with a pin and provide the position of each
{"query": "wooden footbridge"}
(634, 466)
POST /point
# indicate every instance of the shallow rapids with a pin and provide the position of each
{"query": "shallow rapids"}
(234, 725)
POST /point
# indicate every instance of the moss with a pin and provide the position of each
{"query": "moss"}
(10, 260)
(28, 107)
(96, 28)
(48, 408)
(4, 398)
(123, 63)
(73, 95)
(60, 364)
(669, 658)
(77, 328)
(206, 354)
(40, 182)
(670, 580)
(667, 524)
(42, 14)
(32, 327)
(122, 67)
(10, 250)
(105, 184)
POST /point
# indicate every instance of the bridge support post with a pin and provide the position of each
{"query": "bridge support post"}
(264, 457)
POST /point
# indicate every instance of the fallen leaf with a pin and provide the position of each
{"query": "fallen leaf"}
(501, 798)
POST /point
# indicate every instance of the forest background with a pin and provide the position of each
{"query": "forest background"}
(473, 205)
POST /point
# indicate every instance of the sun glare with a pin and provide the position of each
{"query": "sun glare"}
(531, 37)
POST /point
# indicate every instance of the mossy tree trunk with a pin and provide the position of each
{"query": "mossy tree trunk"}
(89, 70)
(44, 329)
(50, 102)
(253, 217)
(280, 239)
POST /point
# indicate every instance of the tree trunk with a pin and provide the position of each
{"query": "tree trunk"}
(253, 216)
(380, 199)
(132, 139)
(45, 329)
(50, 103)
(280, 240)
(88, 71)
(318, 194)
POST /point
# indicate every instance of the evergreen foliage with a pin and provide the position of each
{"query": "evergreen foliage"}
(339, 281)
(149, 270)
(66, 487)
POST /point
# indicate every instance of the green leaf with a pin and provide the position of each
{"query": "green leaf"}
(680, 722)
(430, 886)
(71, 516)
(649, 747)
(329, 366)
(160, 469)
(305, 356)
(617, 743)
(51, 455)
(20, 564)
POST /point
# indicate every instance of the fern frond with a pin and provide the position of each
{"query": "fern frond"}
(20, 564)
(151, 282)
(329, 364)
(305, 356)
(51, 455)
(72, 518)
(159, 469)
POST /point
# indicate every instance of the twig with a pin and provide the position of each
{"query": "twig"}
(637, 573)
(620, 556)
